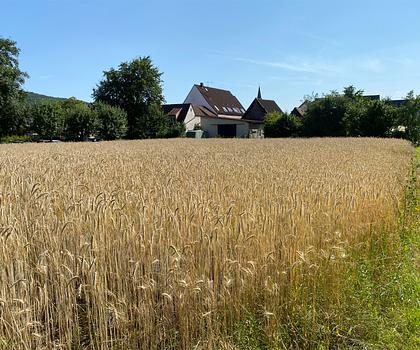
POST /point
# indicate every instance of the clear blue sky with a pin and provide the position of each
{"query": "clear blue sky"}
(290, 47)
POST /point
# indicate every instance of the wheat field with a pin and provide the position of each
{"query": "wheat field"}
(164, 244)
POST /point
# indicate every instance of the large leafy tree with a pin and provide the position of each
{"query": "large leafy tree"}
(281, 125)
(365, 117)
(325, 116)
(377, 120)
(348, 114)
(47, 119)
(136, 87)
(409, 117)
(80, 122)
(112, 121)
(11, 93)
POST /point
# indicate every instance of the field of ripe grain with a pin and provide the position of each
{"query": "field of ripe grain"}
(187, 243)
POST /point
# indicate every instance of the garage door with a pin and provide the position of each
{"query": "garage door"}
(227, 130)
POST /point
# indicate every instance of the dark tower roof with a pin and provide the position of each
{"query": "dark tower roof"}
(259, 92)
(259, 108)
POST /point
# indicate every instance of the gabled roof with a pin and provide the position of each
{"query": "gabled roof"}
(259, 108)
(221, 100)
(179, 110)
(269, 106)
(301, 110)
(201, 111)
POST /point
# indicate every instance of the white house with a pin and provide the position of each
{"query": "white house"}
(199, 117)
(215, 111)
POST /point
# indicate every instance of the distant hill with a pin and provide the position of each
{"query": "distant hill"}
(34, 97)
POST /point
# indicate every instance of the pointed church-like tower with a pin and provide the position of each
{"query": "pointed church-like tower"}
(259, 108)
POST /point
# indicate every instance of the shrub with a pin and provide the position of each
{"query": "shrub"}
(282, 125)
(112, 121)
(80, 122)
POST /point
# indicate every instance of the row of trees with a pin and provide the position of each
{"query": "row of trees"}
(127, 103)
(76, 121)
(350, 114)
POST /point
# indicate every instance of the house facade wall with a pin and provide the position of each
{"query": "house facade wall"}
(256, 131)
(210, 126)
(191, 119)
(196, 98)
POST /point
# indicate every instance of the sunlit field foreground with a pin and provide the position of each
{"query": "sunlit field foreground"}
(206, 244)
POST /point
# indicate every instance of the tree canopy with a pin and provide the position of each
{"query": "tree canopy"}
(325, 116)
(408, 116)
(11, 93)
(352, 114)
(135, 87)
(282, 125)
(80, 122)
(47, 119)
(112, 121)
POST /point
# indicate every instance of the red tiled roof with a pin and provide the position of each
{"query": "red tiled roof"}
(202, 111)
(221, 100)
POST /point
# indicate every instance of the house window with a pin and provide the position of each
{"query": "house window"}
(217, 108)
(225, 109)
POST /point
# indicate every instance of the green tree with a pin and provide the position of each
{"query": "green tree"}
(11, 93)
(47, 119)
(136, 87)
(169, 128)
(80, 122)
(281, 125)
(325, 116)
(377, 120)
(409, 117)
(71, 103)
(365, 117)
(112, 121)
(351, 92)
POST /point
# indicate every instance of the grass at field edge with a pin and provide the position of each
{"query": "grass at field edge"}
(381, 307)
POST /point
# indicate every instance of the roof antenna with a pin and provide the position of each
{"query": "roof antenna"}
(259, 92)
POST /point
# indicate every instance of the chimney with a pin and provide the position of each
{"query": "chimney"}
(201, 84)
